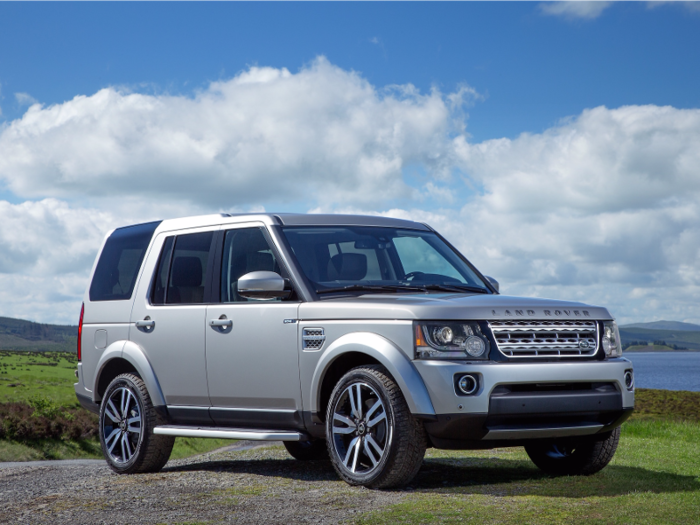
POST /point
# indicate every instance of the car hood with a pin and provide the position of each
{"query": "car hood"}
(448, 306)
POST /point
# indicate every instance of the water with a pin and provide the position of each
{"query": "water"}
(666, 370)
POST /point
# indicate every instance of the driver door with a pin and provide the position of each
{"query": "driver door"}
(252, 357)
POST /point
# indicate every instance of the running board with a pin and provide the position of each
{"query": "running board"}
(230, 433)
(532, 433)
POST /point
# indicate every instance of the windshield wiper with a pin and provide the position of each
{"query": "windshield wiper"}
(372, 288)
(459, 288)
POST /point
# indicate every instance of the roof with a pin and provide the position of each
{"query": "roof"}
(291, 219)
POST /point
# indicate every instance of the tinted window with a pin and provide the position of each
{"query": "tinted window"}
(245, 250)
(120, 260)
(188, 268)
(160, 283)
(333, 256)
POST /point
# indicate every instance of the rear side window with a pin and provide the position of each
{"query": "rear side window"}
(182, 269)
(119, 263)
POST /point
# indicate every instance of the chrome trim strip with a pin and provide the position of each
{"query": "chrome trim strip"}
(223, 433)
(527, 433)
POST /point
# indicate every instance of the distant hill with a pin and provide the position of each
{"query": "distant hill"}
(675, 326)
(680, 338)
(18, 334)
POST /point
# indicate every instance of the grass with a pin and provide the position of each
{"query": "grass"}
(653, 478)
(33, 378)
(28, 375)
(41, 449)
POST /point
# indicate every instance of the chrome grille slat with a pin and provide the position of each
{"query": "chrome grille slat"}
(541, 338)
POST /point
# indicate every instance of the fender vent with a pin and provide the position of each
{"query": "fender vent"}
(313, 338)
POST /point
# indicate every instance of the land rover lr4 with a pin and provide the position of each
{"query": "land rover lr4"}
(362, 340)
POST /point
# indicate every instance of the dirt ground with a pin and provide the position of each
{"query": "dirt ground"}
(237, 484)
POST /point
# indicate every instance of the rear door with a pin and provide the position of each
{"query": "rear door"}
(252, 360)
(168, 318)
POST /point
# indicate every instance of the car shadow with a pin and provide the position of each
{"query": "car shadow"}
(496, 476)
(489, 476)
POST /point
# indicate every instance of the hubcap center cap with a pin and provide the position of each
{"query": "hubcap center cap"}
(361, 428)
(122, 425)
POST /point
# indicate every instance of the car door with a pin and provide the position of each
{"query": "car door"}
(251, 345)
(168, 321)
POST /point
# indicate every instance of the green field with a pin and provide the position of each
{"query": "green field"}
(45, 380)
(653, 478)
(27, 375)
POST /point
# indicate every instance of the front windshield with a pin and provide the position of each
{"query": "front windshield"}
(347, 258)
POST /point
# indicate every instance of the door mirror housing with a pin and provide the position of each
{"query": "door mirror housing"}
(493, 282)
(263, 285)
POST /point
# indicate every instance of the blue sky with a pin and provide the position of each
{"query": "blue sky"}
(531, 69)
(556, 144)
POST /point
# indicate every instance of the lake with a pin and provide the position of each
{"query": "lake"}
(666, 370)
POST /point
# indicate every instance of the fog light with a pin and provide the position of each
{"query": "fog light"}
(467, 384)
(629, 379)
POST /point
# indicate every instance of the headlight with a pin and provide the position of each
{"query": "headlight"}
(611, 339)
(450, 340)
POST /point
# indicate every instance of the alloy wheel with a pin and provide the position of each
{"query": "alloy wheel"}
(361, 431)
(121, 425)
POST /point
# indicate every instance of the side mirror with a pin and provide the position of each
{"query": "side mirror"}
(493, 282)
(263, 285)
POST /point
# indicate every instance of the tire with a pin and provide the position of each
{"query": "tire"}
(127, 420)
(579, 457)
(314, 449)
(375, 442)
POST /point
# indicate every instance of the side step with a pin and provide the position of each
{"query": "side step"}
(230, 433)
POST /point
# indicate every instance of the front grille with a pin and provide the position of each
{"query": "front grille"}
(313, 338)
(540, 338)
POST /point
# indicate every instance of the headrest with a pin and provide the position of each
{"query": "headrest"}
(187, 271)
(347, 267)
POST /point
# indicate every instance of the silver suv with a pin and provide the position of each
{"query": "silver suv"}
(359, 339)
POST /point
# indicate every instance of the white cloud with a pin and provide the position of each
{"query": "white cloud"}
(602, 208)
(692, 5)
(25, 99)
(574, 9)
(267, 134)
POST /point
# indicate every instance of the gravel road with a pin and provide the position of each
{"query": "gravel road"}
(245, 483)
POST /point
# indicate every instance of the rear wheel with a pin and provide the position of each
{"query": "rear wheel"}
(307, 450)
(373, 440)
(572, 457)
(127, 420)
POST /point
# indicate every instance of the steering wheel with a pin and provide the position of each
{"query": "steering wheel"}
(413, 274)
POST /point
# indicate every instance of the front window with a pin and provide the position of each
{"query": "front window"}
(347, 258)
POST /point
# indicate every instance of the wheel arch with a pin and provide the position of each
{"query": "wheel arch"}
(362, 348)
(126, 357)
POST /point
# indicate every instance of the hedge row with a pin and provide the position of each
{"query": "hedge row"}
(42, 420)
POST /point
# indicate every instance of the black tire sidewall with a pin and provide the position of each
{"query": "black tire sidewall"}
(126, 380)
(355, 376)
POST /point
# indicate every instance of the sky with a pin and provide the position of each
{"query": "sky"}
(557, 145)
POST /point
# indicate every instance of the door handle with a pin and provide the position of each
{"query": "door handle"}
(221, 323)
(147, 324)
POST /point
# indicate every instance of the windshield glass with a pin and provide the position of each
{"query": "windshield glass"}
(339, 258)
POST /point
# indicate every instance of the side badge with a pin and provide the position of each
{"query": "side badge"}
(289, 321)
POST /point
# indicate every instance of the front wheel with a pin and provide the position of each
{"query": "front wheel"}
(373, 440)
(575, 457)
(127, 420)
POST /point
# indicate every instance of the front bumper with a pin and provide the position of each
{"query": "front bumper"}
(516, 402)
